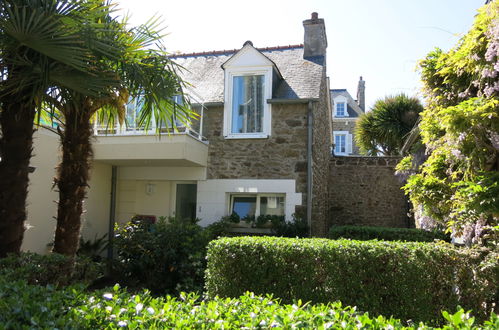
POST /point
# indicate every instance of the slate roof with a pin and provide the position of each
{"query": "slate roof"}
(301, 77)
(353, 108)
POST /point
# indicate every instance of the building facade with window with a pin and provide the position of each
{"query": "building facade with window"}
(260, 146)
(345, 113)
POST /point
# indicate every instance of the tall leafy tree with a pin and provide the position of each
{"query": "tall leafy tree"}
(459, 182)
(41, 45)
(137, 67)
(383, 129)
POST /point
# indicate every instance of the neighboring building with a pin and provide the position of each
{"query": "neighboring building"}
(261, 146)
(345, 113)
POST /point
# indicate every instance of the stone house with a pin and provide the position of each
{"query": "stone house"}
(345, 113)
(261, 145)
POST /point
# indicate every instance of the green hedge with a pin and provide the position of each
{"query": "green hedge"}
(364, 233)
(49, 269)
(25, 306)
(407, 280)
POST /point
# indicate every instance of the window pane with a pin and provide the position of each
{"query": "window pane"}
(272, 205)
(244, 206)
(185, 204)
(247, 104)
(340, 109)
(340, 145)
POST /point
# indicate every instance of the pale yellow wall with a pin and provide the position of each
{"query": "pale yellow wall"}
(41, 204)
(42, 207)
(97, 205)
(133, 199)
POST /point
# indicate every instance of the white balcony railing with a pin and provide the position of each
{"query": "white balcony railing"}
(194, 129)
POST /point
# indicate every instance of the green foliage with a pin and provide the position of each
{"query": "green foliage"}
(364, 233)
(459, 182)
(297, 227)
(93, 248)
(26, 306)
(48, 269)
(166, 257)
(407, 280)
(385, 127)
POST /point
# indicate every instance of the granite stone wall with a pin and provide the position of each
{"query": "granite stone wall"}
(321, 153)
(281, 156)
(365, 191)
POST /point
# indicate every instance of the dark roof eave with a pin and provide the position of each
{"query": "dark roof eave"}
(292, 101)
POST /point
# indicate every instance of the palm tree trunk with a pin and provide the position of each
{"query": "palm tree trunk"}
(72, 180)
(16, 144)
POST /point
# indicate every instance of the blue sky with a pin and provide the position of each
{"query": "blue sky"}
(381, 40)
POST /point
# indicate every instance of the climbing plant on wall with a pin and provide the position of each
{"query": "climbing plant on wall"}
(458, 184)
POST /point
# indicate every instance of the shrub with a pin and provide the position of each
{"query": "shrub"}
(165, 257)
(24, 306)
(407, 280)
(48, 269)
(364, 233)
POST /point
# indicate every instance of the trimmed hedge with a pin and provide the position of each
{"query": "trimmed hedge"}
(25, 306)
(406, 280)
(365, 233)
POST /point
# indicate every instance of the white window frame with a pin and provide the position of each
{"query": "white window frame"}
(337, 100)
(348, 142)
(230, 73)
(258, 197)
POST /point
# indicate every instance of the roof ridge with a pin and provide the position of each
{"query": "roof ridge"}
(231, 51)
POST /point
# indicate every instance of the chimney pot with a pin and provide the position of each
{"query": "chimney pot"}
(315, 15)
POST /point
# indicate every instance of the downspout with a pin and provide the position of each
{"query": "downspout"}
(309, 166)
(112, 214)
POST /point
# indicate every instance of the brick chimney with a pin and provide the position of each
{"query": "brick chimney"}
(361, 94)
(315, 41)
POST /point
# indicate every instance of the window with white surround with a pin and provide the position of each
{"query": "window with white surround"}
(342, 142)
(340, 107)
(253, 205)
(247, 104)
(248, 86)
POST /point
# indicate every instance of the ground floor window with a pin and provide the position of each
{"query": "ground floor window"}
(254, 205)
(342, 142)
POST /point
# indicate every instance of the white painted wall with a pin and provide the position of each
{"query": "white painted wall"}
(41, 206)
(213, 196)
(95, 221)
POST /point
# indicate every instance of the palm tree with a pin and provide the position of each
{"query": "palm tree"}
(138, 71)
(41, 45)
(383, 130)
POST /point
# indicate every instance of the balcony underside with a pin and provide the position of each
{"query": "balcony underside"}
(150, 150)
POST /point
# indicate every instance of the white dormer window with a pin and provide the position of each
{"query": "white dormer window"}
(248, 86)
(248, 104)
(340, 107)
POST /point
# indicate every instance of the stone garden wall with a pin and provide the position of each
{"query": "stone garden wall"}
(365, 191)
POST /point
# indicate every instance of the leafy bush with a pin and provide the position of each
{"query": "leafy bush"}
(407, 280)
(26, 306)
(49, 269)
(165, 257)
(364, 233)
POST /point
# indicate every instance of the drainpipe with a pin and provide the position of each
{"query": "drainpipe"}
(309, 166)
(112, 213)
